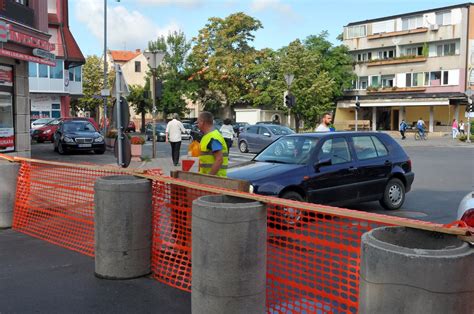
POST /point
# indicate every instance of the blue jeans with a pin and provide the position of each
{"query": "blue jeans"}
(421, 131)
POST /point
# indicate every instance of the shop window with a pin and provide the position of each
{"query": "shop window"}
(57, 71)
(32, 69)
(55, 111)
(6, 123)
(77, 74)
(43, 70)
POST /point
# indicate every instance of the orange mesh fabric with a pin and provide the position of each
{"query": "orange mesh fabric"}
(56, 204)
(171, 251)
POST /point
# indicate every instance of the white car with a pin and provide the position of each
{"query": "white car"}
(466, 209)
(40, 122)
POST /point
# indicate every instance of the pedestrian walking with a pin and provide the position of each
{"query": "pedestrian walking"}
(403, 127)
(420, 125)
(227, 131)
(455, 128)
(461, 127)
(325, 122)
(174, 129)
(214, 156)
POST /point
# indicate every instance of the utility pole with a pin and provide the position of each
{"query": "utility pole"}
(357, 104)
(120, 134)
(104, 91)
(469, 110)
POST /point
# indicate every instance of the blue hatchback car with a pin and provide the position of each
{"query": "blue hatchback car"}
(331, 168)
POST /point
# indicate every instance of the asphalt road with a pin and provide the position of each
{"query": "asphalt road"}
(444, 174)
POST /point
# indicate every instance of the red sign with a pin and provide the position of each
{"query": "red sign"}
(30, 41)
(6, 76)
(22, 56)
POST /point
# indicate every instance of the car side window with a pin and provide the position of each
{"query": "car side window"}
(252, 129)
(364, 147)
(337, 150)
(262, 130)
(380, 147)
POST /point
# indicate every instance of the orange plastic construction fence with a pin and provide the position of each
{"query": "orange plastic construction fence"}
(313, 251)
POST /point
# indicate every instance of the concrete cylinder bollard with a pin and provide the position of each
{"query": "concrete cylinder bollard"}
(9, 177)
(228, 255)
(404, 270)
(122, 219)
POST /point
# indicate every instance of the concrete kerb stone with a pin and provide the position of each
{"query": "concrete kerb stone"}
(122, 221)
(9, 177)
(404, 270)
(229, 255)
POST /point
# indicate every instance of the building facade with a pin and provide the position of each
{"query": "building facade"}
(410, 66)
(25, 38)
(53, 87)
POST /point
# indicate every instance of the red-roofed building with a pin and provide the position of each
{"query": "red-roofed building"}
(52, 87)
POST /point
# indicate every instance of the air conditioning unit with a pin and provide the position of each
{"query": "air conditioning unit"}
(434, 27)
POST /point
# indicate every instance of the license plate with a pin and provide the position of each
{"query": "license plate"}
(84, 145)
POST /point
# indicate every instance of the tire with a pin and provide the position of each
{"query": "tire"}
(61, 150)
(99, 151)
(417, 136)
(243, 147)
(394, 194)
(292, 216)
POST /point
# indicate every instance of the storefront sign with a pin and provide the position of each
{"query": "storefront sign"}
(6, 76)
(7, 140)
(22, 56)
(44, 54)
(30, 41)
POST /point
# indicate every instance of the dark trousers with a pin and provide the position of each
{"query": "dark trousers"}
(403, 134)
(175, 148)
(228, 142)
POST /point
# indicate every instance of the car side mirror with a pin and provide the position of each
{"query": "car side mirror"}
(321, 163)
(267, 134)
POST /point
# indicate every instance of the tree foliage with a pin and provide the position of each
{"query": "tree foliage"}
(92, 84)
(140, 103)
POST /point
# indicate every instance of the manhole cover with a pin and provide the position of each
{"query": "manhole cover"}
(408, 214)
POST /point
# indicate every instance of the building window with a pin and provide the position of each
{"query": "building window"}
(374, 81)
(32, 69)
(443, 18)
(138, 66)
(365, 56)
(43, 70)
(386, 54)
(448, 49)
(408, 80)
(383, 27)
(71, 75)
(418, 79)
(387, 80)
(57, 71)
(414, 51)
(434, 78)
(356, 31)
(77, 74)
(22, 2)
(55, 110)
(7, 142)
(363, 82)
(445, 77)
(412, 22)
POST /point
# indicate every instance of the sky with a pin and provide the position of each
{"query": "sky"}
(133, 23)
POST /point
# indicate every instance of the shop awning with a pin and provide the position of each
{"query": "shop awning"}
(395, 103)
(72, 53)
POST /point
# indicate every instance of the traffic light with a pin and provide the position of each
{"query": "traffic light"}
(357, 103)
(470, 106)
(289, 100)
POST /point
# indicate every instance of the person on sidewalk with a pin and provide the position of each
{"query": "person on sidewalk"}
(455, 128)
(174, 129)
(325, 122)
(403, 128)
(420, 125)
(214, 157)
(227, 131)
(461, 127)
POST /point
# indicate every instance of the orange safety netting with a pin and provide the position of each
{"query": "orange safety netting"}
(313, 251)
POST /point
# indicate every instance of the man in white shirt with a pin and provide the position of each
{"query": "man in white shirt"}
(325, 122)
(174, 129)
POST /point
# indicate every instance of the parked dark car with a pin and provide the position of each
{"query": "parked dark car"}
(131, 127)
(254, 138)
(331, 168)
(160, 132)
(78, 135)
(46, 132)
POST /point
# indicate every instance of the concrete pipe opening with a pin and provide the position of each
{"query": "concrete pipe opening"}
(404, 270)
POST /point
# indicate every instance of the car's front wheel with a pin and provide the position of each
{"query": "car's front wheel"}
(243, 147)
(61, 150)
(394, 194)
(292, 216)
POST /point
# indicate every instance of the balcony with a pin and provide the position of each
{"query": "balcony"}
(398, 33)
(399, 60)
(18, 12)
(386, 90)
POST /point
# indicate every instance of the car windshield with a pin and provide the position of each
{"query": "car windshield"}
(54, 122)
(78, 126)
(289, 150)
(42, 121)
(160, 127)
(280, 130)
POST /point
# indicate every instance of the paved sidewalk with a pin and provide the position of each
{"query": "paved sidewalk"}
(38, 277)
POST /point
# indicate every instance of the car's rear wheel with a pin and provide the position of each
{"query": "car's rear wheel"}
(243, 147)
(291, 215)
(394, 194)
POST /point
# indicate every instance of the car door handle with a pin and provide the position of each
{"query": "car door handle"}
(352, 169)
(387, 163)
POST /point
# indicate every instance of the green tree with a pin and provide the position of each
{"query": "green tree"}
(173, 72)
(92, 84)
(222, 60)
(140, 103)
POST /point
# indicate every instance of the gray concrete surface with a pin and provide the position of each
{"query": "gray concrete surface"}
(122, 227)
(229, 255)
(38, 277)
(404, 270)
(9, 176)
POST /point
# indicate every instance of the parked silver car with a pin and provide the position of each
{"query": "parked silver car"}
(254, 138)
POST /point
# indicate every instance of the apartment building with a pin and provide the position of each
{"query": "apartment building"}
(410, 66)
(53, 87)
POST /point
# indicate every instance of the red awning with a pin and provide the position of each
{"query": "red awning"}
(72, 53)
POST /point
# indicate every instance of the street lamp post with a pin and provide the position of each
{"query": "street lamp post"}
(154, 59)
(104, 91)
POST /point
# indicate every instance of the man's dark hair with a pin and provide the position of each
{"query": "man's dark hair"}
(326, 114)
(227, 121)
(207, 117)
